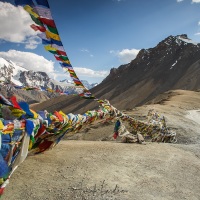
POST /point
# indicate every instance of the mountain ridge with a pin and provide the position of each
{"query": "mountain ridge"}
(174, 63)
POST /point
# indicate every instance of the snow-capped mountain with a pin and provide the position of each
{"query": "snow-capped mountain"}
(88, 85)
(85, 83)
(12, 73)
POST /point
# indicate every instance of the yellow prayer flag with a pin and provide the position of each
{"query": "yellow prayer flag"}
(50, 48)
(35, 115)
(52, 35)
(30, 145)
(30, 11)
(50, 90)
(66, 61)
(62, 113)
(16, 112)
(1, 125)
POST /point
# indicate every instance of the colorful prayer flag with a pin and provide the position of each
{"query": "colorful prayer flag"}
(43, 12)
(43, 3)
(4, 101)
(31, 11)
(24, 2)
(48, 22)
(52, 36)
(36, 20)
(62, 53)
(38, 28)
(52, 29)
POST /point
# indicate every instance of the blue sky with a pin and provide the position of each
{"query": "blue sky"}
(97, 34)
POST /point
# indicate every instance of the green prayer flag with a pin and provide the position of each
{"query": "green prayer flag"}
(53, 30)
(36, 20)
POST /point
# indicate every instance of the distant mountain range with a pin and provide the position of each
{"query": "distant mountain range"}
(11, 73)
(172, 64)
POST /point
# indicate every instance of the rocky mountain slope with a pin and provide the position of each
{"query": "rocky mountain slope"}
(173, 64)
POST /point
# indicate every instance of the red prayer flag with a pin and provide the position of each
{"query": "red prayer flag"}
(61, 53)
(1, 191)
(38, 28)
(115, 135)
(58, 115)
(58, 58)
(15, 103)
(44, 145)
(48, 22)
(41, 131)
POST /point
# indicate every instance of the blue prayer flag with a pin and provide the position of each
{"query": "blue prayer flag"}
(43, 3)
(24, 2)
(25, 107)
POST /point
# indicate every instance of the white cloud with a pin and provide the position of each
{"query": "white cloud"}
(126, 55)
(179, 1)
(81, 71)
(32, 42)
(197, 34)
(60, 76)
(29, 61)
(195, 1)
(15, 26)
(87, 51)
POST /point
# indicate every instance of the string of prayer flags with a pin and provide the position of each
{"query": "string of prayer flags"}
(40, 13)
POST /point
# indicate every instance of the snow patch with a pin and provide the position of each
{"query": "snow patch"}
(174, 63)
(187, 40)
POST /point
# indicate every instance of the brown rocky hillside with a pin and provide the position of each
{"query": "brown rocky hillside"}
(173, 64)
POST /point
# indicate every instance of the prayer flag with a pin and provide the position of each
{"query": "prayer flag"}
(50, 48)
(62, 53)
(61, 58)
(52, 36)
(46, 41)
(24, 2)
(43, 3)
(52, 29)
(48, 22)
(14, 102)
(31, 11)
(25, 108)
(38, 28)
(29, 127)
(36, 20)
(43, 12)
(4, 101)
(59, 43)
(58, 47)
(65, 65)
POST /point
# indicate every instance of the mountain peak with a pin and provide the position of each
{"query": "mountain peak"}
(178, 40)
